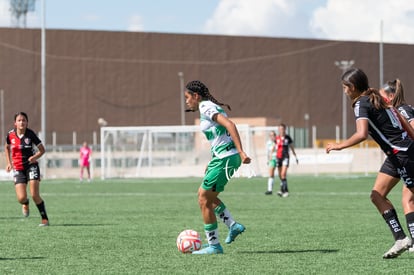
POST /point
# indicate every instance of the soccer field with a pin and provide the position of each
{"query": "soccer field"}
(326, 226)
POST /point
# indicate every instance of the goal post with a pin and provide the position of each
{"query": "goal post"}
(184, 151)
(169, 151)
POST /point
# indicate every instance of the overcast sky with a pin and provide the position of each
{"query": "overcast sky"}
(355, 20)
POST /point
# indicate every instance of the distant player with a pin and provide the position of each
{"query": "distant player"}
(284, 143)
(22, 157)
(85, 157)
(227, 156)
(271, 161)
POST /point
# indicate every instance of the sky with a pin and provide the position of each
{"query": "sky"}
(390, 21)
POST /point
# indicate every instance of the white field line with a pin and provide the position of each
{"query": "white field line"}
(189, 194)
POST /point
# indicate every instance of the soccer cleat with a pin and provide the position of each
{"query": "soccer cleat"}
(399, 247)
(235, 230)
(280, 193)
(268, 193)
(209, 250)
(25, 210)
(285, 195)
(44, 222)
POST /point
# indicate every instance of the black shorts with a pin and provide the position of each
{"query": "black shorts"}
(401, 166)
(24, 176)
(283, 162)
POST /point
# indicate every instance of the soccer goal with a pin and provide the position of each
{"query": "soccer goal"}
(183, 151)
(169, 151)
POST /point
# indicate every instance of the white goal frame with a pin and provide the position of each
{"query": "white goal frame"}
(169, 151)
(183, 151)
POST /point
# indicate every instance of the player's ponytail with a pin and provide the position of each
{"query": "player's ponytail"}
(376, 99)
(198, 87)
(395, 87)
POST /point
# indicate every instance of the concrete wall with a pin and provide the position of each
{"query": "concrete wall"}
(311, 162)
(131, 78)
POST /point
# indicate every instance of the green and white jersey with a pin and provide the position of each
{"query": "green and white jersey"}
(220, 141)
(271, 150)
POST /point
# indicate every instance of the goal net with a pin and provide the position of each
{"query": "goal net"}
(171, 151)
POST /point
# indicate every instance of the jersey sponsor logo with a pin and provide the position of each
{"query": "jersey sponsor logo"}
(404, 175)
(356, 108)
(394, 118)
(229, 170)
(403, 113)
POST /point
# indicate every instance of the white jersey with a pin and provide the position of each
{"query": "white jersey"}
(220, 141)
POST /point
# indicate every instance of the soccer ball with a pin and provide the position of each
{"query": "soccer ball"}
(188, 241)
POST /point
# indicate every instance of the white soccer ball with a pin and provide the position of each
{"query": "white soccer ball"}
(188, 241)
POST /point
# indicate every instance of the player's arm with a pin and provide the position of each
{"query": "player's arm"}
(234, 133)
(270, 150)
(8, 157)
(412, 123)
(38, 155)
(292, 148)
(360, 135)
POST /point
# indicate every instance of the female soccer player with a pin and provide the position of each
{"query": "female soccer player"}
(283, 143)
(375, 117)
(393, 92)
(271, 161)
(227, 156)
(85, 156)
(22, 158)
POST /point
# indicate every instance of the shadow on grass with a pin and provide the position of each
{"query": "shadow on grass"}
(291, 251)
(22, 258)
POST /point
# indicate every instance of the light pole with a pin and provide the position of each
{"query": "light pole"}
(181, 76)
(306, 117)
(344, 65)
(381, 57)
(43, 82)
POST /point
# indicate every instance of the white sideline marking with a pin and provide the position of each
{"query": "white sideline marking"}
(140, 194)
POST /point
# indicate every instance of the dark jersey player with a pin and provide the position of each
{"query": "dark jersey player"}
(284, 143)
(22, 157)
(393, 92)
(375, 117)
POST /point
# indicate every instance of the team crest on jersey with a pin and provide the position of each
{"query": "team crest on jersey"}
(27, 140)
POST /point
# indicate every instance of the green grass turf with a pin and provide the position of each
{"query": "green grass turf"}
(326, 226)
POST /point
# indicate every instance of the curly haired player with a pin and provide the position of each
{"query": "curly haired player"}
(227, 156)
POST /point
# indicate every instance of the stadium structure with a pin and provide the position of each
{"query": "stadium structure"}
(136, 79)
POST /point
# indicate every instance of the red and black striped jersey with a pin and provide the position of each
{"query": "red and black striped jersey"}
(22, 148)
(282, 146)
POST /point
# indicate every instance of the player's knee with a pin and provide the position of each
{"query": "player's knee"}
(376, 197)
(22, 200)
